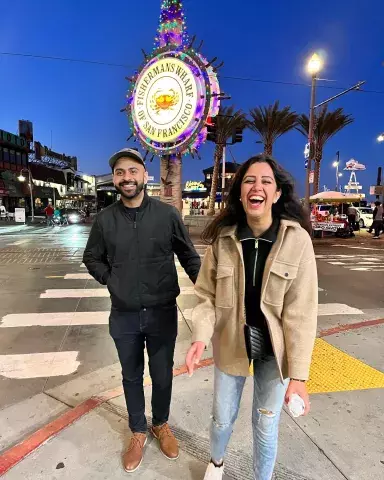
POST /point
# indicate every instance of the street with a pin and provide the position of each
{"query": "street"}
(54, 330)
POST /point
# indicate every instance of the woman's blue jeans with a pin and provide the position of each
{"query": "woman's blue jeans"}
(268, 399)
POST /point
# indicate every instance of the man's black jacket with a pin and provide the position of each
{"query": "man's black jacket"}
(134, 257)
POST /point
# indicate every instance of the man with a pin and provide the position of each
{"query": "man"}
(352, 217)
(131, 249)
(377, 224)
(49, 213)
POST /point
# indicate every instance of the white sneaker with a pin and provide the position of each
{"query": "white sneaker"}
(214, 473)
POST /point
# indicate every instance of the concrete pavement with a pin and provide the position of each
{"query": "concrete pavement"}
(341, 438)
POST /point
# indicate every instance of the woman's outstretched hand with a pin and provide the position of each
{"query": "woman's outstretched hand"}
(300, 388)
(194, 355)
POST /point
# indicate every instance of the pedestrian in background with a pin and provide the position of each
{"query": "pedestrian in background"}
(131, 249)
(378, 214)
(258, 298)
(49, 211)
(352, 216)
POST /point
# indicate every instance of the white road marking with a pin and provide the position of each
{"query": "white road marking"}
(82, 266)
(324, 309)
(19, 242)
(78, 276)
(338, 309)
(358, 248)
(361, 269)
(320, 289)
(54, 319)
(75, 293)
(187, 290)
(182, 274)
(36, 365)
(337, 263)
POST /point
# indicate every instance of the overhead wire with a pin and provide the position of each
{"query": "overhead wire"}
(227, 77)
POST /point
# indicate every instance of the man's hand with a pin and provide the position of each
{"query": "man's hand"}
(300, 388)
(194, 355)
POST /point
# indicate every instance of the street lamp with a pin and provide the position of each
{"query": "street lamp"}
(336, 164)
(52, 180)
(315, 64)
(22, 178)
(380, 138)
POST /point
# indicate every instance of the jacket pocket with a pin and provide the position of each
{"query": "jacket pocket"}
(280, 279)
(224, 286)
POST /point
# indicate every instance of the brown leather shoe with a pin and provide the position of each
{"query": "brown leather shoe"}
(134, 455)
(168, 443)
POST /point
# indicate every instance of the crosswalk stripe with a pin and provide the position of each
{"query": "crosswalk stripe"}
(324, 310)
(35, 365)
(54, 319)
(338, 309)
(75, 293)
(78, 276)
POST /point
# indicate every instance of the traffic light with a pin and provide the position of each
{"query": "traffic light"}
(212, 130)
(237, 135)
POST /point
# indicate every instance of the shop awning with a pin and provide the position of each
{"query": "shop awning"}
(42, 173)
(45, 192)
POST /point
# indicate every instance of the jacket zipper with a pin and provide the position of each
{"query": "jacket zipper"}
(256, 256)
(134, 221)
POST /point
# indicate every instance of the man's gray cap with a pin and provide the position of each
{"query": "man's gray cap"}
(126, 152)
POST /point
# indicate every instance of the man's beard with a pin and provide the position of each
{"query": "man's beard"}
(132, 193)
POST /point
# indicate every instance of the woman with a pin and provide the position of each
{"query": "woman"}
(257, 292)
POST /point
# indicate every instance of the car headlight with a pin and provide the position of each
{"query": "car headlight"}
(74, 218)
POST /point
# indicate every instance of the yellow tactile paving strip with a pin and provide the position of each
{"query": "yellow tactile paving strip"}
(335, 371)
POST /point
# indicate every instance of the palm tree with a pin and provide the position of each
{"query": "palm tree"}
(271, 122)
(170, 181)
(227, 120)
(327, 124)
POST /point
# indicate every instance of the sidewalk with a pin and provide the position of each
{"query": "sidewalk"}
(82, 425)
(341, 439)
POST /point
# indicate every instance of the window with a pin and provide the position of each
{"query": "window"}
(6, 155)
(24, 159)
(12, 157)
(18, 158)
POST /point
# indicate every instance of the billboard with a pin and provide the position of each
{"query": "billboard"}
(26, 130)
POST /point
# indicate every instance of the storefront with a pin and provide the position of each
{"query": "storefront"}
(13, 158)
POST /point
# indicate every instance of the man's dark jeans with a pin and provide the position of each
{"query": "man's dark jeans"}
(155, 328)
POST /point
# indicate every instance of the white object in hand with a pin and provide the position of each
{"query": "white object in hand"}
(296, 405)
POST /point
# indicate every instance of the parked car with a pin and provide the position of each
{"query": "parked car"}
(73, 215)
(323, 210)
(366, 216)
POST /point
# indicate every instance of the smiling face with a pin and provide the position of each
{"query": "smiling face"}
(259, 192)
(129, 178)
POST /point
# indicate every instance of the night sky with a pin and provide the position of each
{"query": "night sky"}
(268, 41)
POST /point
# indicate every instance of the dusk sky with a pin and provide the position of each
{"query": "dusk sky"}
(270, 41)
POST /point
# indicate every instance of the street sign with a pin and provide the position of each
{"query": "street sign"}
(20, 215)
(307, 150)
(311, 176)
(151, 179)
(376, 190)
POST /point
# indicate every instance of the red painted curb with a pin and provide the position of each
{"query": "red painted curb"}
(16, 454)
(351, 326)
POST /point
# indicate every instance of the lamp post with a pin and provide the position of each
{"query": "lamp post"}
(52, 180)
(314, 66)
(21, 178)
(380, 139)
(336, 164)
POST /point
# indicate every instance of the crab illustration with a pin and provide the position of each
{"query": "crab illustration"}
(164, 100)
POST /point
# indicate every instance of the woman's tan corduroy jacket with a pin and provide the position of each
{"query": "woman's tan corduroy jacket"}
(289, 301)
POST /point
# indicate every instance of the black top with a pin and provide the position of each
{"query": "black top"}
(255, 253)
(134, 256)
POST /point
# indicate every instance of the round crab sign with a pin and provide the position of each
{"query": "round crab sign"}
(170, 100)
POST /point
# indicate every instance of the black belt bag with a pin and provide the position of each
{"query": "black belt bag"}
(257, 347)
